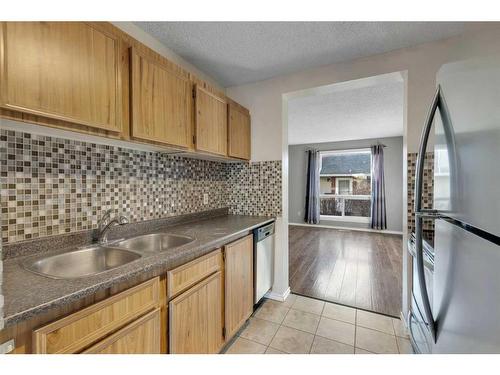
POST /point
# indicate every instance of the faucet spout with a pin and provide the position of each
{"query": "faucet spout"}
(105, 225)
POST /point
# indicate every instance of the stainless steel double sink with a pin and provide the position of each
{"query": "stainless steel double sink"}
(96, 259)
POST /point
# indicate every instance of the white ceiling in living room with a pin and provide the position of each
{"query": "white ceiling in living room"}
(361, 109)
(234, 53)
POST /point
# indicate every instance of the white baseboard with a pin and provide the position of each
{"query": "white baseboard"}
(347, 228)
(278, 296)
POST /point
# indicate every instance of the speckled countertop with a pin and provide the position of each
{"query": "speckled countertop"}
(28, 294)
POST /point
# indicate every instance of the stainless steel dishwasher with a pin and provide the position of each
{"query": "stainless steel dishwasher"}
(263, 260)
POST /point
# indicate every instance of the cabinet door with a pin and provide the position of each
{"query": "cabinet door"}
(64, 70)
(196, 318)
(139, 337)
(239, 133)
(211, 122)
(160, 102)
(77, 331)
(239, 284)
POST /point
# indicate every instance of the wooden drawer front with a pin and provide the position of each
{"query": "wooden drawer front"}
(196, 318)
(81, 329)
(139, 337)
(187, 275)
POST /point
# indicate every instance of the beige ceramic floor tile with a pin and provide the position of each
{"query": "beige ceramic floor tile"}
(270, 350)
(324, 346)
(259, 330)
(272, 311)
(290, 300)
(370, 320)
(404, 345)
(336, 330)
(301, 320)
(399, 328)
(375, 341)
(309, 305)
(244, 346)
(362, 351)
(292, 340)
(339, 312)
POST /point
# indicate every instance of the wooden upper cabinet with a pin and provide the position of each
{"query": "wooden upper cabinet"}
(160, 102)
(210, 122)
(239, 284)
(69, 71)
(238, 132)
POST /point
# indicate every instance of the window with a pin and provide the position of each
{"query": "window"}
(345, 185)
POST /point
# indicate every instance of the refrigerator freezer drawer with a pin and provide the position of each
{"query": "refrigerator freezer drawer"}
(419, 335)
(466, 289)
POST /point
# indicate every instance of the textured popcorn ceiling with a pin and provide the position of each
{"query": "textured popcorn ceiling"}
(368, 108)
(234, 53)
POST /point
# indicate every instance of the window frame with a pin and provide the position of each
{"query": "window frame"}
(351, 219)
(348, 179)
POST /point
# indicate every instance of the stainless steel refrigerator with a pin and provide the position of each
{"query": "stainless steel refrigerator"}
(457, 308)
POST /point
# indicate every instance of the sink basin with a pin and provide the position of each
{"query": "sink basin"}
(154, 242)
(79, 263)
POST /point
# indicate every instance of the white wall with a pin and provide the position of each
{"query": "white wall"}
(267, 102)
(264, 99)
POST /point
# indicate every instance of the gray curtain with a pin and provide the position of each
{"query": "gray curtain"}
(378, 219)
(312, 188)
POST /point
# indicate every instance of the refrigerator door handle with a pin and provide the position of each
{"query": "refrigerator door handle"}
(420, 213)
(426, 213)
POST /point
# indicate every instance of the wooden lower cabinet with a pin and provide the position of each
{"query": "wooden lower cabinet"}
(77, 331)
(139, 337)
(196, 318)
(238, 284)
(210, 299)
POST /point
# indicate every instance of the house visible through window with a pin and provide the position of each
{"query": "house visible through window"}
(345, 185)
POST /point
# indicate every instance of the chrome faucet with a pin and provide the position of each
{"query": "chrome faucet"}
(101, 234)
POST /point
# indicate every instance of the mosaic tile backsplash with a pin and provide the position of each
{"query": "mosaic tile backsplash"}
(427, 193)
(53, 186)
(256, 183)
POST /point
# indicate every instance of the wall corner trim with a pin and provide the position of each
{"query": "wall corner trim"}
(278, 296)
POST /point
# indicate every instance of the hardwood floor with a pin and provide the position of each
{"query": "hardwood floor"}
(358, 269)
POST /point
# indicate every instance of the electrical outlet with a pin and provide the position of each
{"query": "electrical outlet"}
(205, 198)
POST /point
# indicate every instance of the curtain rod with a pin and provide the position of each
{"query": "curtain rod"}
(347, 149)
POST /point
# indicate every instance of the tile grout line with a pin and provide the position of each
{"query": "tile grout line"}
(317, 327)
(315, 334)
(355, 328)
(275, 333)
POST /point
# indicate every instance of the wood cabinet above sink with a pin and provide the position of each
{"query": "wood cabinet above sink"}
(92, 78)
(160, 102)
(69, 71)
